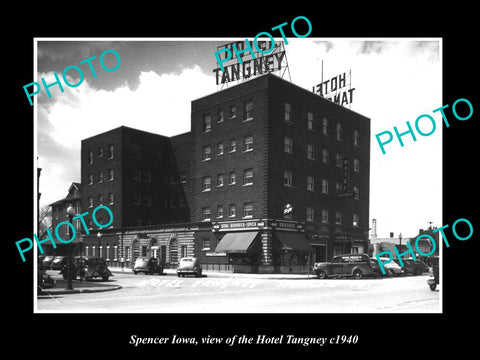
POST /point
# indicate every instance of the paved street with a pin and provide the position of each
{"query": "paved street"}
(232, 293)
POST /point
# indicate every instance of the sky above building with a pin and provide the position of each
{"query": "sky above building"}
(396, 80)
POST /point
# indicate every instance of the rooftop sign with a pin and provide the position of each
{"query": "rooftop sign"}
(337, 89)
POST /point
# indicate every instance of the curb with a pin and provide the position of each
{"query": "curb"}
(50, 292)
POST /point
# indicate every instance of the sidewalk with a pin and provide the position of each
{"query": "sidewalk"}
(78, 287)
(227, 274)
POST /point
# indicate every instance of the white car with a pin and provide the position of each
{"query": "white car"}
(391, 268)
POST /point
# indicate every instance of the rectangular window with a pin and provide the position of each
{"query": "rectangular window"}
(207, 152)
(220, 180)
(220, 148)
(356, 165)
(248, 177)
(147, 200)
(100, 176)
(110, 175)
(324, 186)
(288, 112)
(136, 199)
(100, 199)
(90, 157)
(310, 152)
(207, 123)
(339, 132)
(355, 220)
(338, 217)
(287, 145)
(232, 179)
(310, 214)
(310, 183)
(90, 201)
(338, 160)
(325, 156)
(233, 145)
(110, 151)
(310, 121)
(324, 216)
(356, 193)
(233, 112)
(90, 179)
(248, 210)
(206, 183)
(183, 177)
(110, 198)
(248, 143)
(287, 178)
(221, 116)
(219, 211)
(356, 138)
(248, 110)
(232, 210)
(206, 214)
(325, 126)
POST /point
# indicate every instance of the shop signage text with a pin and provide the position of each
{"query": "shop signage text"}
(334, 89)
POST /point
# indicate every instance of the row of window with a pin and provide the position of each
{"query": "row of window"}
(287, 214)
(232, 179)
(101, 178)
(232, 147)
(288, 117)
(145, 176)
(100, 153)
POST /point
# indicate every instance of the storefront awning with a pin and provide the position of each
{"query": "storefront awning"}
(294, 241)
(237, 242)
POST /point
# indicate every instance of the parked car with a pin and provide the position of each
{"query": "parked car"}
(189, 266)
(377, 272)
(88, 268)
(391, 268)
(413, 267)
(46, 261)
(58, 262)
(356, 265)
(147, 265)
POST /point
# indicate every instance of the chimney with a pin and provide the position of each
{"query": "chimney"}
(374, 229)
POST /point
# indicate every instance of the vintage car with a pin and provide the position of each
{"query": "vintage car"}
(391, 268)
(413, 267)
(46, 261)
(356, 265)
(88, 268)
(58, 262)
(147, 265)
(189, 266)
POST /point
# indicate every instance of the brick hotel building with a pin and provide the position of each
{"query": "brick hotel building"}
(270, 178)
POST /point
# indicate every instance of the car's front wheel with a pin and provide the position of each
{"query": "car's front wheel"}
(357, 274)
(321, 274)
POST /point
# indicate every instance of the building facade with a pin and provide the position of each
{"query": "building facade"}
(270, 178)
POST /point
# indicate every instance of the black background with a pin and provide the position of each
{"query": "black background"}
(379, 335)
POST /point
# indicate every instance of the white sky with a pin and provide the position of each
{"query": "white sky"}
(396, 80)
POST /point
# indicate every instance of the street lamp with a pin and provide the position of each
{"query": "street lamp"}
(400, 238)
(99, 235)
(70, 213)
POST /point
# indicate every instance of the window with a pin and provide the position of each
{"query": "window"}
(100, 152)
(248, 177)
(324, 216)
(90, 201)
(248, 143)
(339, 132)
(288, 112)
(356, 193)
(90, 179)
(356, 165)
(288, 211)
(221, 116)
(325, 126)
(174, 179)
(287, 178)
(219, 211)
(338, 160)
(110, 175)
(310, 121)
(325, 156)
(232, 179)
(310, 183)
(207, 123)
(146, 176)
(288, 145)
(183, 177)
(220, 148)
(355, 220)
(110, 151)
(356, 138)
(310, 213)
(248, 210)
(110, 198)
(136, 199)
(324, 186)
(90, 157)
(100, 199)
(206, 183)
(338, 217)
(206, 213)
(338, 187)
(232, 210)
(310, 152)
(233, 145)
(233, 112)
(206, 244)
(207, 152)
(248, 110)
(174, 202)
(220, 180)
